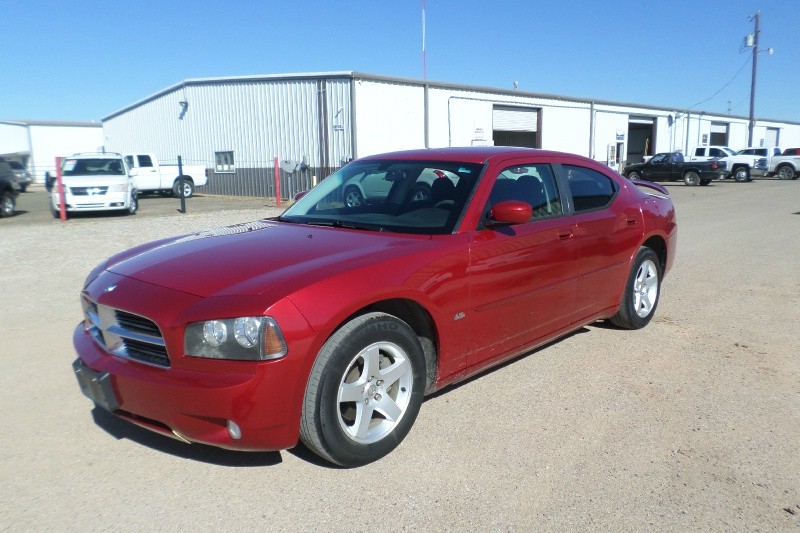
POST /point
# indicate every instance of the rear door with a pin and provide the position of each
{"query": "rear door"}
(607, 230)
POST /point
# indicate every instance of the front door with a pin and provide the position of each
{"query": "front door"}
(522, 277)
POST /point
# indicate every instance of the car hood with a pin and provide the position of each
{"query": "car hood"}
(94, 181)
(255, 257)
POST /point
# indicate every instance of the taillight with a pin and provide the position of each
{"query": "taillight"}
(714, 165)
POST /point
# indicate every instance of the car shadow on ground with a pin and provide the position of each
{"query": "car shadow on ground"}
(503, 365)
(122, 429)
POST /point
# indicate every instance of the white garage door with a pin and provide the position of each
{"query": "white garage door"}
(509, 118)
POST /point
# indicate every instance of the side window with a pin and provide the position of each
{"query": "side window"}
(224, 162)
(699, 151)
(129, 160)
(589, 188)
(715, 152)
(145, 161)
(533, 184)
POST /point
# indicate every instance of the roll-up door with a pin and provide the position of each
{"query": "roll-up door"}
(508, 118)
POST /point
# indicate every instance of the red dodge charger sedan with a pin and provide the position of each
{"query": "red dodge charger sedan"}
(396, 276)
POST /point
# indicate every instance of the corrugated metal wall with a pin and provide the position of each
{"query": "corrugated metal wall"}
(295, 120)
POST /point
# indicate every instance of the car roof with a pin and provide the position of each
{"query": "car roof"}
(468, 154)
(96, 155)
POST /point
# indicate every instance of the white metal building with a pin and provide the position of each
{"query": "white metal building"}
(36, 144)
(316, 122)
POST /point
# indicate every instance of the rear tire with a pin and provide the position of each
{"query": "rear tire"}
(188, 188)
(691, 178)
(634, 176)
(785, 172)
(640, 297)
(364, 390)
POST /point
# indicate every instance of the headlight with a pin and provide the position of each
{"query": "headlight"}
(118, 188)
(248, 338)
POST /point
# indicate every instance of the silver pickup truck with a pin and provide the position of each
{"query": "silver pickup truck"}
(785, 166)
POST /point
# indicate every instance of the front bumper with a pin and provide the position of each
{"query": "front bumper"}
(195, 399)
(193, 406)
(105, 202)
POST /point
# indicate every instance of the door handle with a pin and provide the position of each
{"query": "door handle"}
(565, 235)
(632, 221)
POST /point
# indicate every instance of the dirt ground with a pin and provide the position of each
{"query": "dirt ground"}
(692, 423)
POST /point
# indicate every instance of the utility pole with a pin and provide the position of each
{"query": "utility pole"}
(757, 18)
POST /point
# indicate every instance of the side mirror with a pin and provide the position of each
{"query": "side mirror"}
(300, 195)
(510, 212)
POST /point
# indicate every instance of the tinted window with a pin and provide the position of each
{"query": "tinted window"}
(699, 151)
(145, 161)
(590, 189)
(533, 184)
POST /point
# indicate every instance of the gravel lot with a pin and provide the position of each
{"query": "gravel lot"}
(692, 423)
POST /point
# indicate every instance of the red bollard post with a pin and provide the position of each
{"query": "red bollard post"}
(277, 183)
(61, 199)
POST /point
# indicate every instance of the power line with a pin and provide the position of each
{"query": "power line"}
(724, 86)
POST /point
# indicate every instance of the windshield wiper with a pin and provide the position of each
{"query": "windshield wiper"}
(341, 224)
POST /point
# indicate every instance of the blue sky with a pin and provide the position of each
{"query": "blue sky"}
(82, 60)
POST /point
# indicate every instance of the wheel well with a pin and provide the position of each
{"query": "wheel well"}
(740, 165)
(658, 245)
(421, 321)
(185, 178)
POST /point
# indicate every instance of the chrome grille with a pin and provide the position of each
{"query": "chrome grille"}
(125, 334)
(88, 191)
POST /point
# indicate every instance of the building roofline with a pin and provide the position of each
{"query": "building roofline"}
(54, 123)
(355, 75)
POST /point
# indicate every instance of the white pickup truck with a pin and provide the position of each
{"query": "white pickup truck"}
(149, 176)
(707, 153)
(753, 160)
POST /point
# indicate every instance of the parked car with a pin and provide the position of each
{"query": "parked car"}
(24, 177)
(95, 182)
(8, 189)
(707, 153)
(752, 161)
(672, 167)
(329, 323)
(785, 166)
(150, 176)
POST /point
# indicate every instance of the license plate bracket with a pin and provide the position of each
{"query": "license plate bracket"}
(96, 386)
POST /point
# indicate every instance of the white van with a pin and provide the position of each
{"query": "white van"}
(95, 182)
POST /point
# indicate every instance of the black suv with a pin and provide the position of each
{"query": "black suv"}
(8, 189)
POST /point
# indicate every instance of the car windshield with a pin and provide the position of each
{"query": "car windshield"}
(426, 197)
(727, 150)
(16, 165)
(93, 167)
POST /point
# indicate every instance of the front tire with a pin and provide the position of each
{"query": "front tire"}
(691, 178)
(634, 176)
(8, 205)
(785, 172)
(133, 205)
(364, 390)
(741, 174)
(640, 298)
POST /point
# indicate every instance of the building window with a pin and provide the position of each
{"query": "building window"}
(224, 162)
